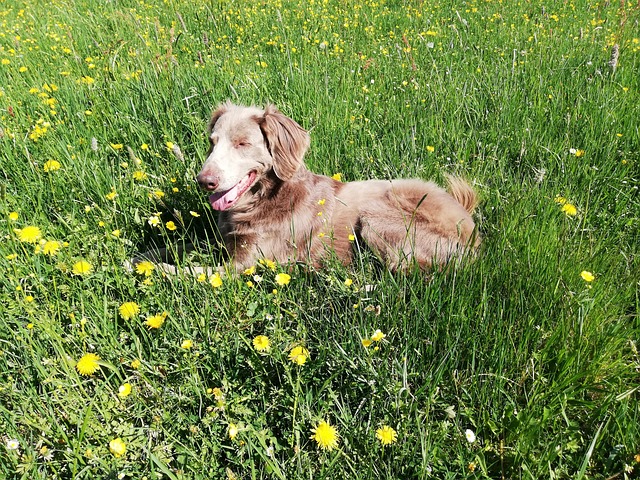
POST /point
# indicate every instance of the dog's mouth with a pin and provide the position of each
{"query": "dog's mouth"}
(226, 199)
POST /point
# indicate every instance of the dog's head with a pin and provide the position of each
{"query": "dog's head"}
(248, 143)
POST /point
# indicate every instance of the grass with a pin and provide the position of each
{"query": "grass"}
(540, 364)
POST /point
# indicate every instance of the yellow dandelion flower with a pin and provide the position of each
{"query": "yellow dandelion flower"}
(129, 310)
(261, 343)
(51, 166)
(117, 447)
(139, 175)
(430, 149)
(186, 344)
(326, 436)
(377, 336)
(321, 201)
(337, 177)
(386, 435)
(348, 282)
(145, 268)
(270, 264)
(299, 355)
(366, 342)
(249, 271)
(81, 267)
(29, 234)
(135, 364)
(569, 209)
(88, 364)
(587, 276)
(352, 237)
(232, 430)
(51, 247)
(111, 195)
(559, 199)
(171, 226)
(124, 390)
(13, 216)
(215, 280)
(117, 146)
(283, 279)
(156, 321)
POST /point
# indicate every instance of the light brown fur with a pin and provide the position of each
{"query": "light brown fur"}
(289, 214)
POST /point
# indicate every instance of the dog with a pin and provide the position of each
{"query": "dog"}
(272, 207)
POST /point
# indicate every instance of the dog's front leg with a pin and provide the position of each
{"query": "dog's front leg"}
(159, 256)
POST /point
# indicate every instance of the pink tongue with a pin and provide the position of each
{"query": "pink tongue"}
(223, 200)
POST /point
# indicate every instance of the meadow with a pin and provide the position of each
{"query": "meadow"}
(521, 364)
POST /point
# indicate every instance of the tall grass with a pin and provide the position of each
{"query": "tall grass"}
(516, 351)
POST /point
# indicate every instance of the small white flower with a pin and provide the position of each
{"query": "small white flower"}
(450, 411)
(572, 151)
(270, 451)
(13, 444)
(470, 436)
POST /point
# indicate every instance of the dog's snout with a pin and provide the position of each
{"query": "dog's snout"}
(208, 182)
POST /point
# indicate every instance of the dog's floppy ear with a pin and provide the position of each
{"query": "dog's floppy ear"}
(287, 141)
(218, 112)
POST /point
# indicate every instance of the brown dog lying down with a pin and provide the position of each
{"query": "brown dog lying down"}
(272, 207)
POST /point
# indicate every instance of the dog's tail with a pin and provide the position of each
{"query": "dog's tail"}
(464, 194)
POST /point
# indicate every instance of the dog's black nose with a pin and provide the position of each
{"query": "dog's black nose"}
(208, 182)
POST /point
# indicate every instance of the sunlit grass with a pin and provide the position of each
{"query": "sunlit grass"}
(522, 364)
